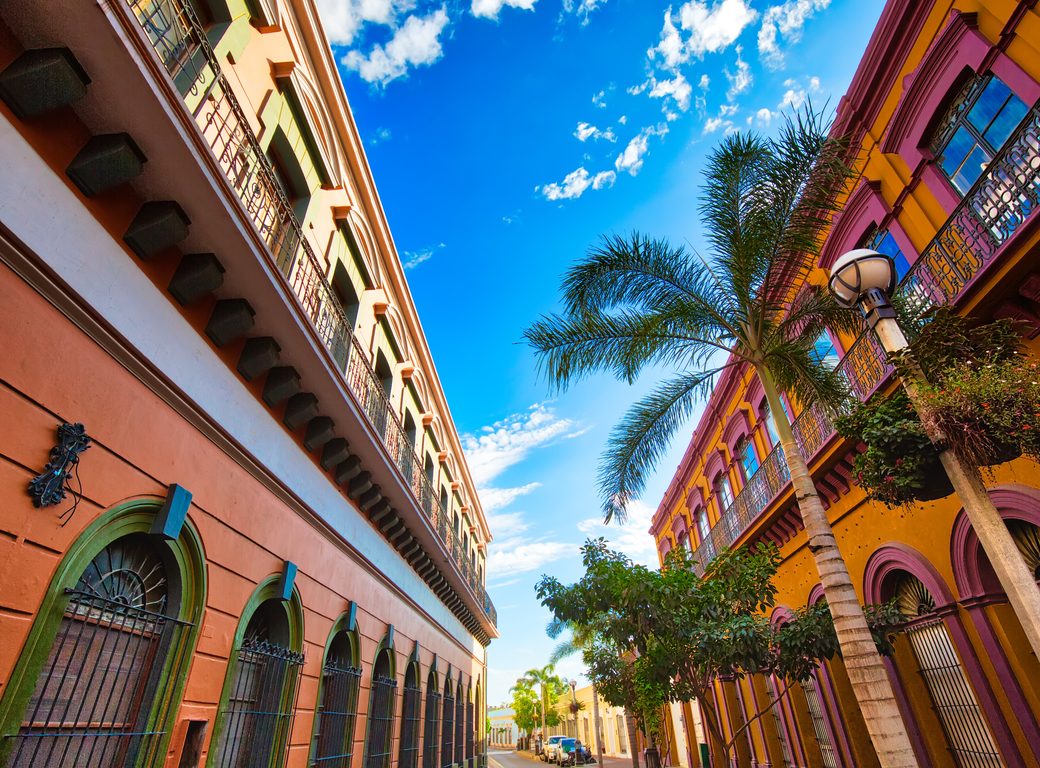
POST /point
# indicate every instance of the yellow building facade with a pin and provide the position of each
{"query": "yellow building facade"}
(944, 110)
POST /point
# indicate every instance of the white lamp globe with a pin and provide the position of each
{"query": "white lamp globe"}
(859, 271)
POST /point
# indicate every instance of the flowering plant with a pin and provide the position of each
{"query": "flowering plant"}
(900, 464)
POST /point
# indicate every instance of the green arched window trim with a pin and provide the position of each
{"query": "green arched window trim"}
(187, 576)
(346, 623)
(268, 589)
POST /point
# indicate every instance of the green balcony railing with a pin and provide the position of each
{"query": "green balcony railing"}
(1001, 201)
(180, 43)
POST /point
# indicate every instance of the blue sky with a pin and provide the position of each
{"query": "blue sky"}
(505, 136)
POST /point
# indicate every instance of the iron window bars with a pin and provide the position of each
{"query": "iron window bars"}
(380, 722)
(433, 701)
(410, 727)
(337, 714)
(259, 712)
(460, 718)
(93, 702)
(469, 728)
(448, 731)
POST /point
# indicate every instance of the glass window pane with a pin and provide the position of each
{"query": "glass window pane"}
(883, 242)
(970, 171)
(1005, 122)
(771, 432)
(960, 145)
(988, 104)
(824, 351)
(749, 459)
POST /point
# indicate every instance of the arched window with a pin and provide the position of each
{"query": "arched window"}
(622, 734)
(470, 736)
(967, 734)
(448, 725)
(107, 648)
(723, 492)
(381, 711)
(980, 119)
(409, 755)
(460, 724)
(775, 711)
(259, 699)
(817, 713)
(748, 458)
(700, 519)
(433, 702)
(335, 719)
(824, 352)
(766, 417)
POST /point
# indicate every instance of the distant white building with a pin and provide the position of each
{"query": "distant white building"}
(503, 731)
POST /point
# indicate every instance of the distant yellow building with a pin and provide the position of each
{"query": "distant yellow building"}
(944, 106)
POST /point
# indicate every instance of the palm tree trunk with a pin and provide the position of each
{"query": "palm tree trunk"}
(870, 682)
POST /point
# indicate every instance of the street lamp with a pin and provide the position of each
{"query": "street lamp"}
(574, 706)
(867, 278)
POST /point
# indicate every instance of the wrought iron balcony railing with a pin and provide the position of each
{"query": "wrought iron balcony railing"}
(1000, 202)
(180, 43)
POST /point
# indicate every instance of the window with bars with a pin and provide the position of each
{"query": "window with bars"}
(411, 700)
(814, 701)
(967, 735)
(781, 732)
(95, 694)
(978, 122)
(381, 713)
(470, 736)
(337, 709)
(448, 727)
(257, 717)
(433, 704)
(460, 724)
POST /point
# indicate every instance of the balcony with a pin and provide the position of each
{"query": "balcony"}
(179, 41)
(997, 206)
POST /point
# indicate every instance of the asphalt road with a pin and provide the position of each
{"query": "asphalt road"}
(512, 759)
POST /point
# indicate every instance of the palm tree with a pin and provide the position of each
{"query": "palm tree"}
(544, 678)
(581, 638)
(637, 302)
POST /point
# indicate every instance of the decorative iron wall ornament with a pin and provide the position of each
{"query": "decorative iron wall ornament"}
(49, 487)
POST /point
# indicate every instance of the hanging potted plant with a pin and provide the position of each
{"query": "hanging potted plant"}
(983, 392)
(900, 465)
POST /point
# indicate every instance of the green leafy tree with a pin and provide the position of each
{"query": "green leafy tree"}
(638, 302)
(526, 713)
(550, 687)
(663, 636)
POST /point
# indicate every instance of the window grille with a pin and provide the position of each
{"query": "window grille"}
(448, 730)
(95, 695)
(470, 736)
(410, 725)
(381, 721)
(819, 722)
(460, 716)
(337, 713)
(622, 734)
(781, 733)
(433, 702)
(953, 700)
(258, 716)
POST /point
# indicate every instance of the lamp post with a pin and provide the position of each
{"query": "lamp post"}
(867, 278)
(574, 705)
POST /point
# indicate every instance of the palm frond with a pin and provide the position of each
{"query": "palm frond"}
(643, 435)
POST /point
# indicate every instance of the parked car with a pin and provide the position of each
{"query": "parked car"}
(549, 748)
(566, 752)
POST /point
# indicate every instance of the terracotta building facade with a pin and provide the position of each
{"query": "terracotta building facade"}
(943, 109)
(237, 526)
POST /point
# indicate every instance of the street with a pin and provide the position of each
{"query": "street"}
(513, 759)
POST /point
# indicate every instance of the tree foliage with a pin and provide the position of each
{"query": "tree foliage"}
(662, 636)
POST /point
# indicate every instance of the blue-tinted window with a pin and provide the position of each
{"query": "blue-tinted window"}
(748, 458)
(724, 492)
(824, 350)
(881, 240)
(976, 126)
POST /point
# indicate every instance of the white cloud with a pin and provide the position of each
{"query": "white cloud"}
(599, 99)
(795, 96)
(740, 80)
(704, 82)
(412, 259)
(506, 525)
(764, 117)
(671, 47)
(575, 184)
(631, 158)
(342, 19)
(784, 21)
(713, 29)
(623, 119)
(712, 124)
(521, 555)
(586, 131)
(381, 135)
(507, 442)
(677, 89)
(582, 8)
(492, 499)
(631, 538)
(415, 43)
(489, 9)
